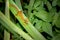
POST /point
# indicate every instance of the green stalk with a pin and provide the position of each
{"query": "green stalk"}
(25, 22)
(12, 27)
(18, 4)
(6, 33)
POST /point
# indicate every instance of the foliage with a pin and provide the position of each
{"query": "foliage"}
(43, 19)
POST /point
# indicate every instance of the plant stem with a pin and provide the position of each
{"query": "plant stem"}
(6, 33)
(18, 3)
(25, 22)
(12, 27)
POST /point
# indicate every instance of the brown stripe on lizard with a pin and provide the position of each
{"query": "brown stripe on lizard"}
(20, 14)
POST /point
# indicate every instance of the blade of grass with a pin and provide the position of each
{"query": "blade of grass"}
(18, 4)
(12, 27)
(25, 22)
(6, 33)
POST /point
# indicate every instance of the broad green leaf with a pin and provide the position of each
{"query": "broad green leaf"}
(43, 15)
(47, 28)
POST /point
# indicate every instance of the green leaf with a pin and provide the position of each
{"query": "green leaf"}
(47, 28)
(56, 37)
(48, 5)
(57, 21)
(38, 24)
(58, 31)
(54, 3)
(52, 12)
(55, 17)
(17, 38)
(30, 6)
(37, 3)
(43, 15)
(31, 18)
(35, 20)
